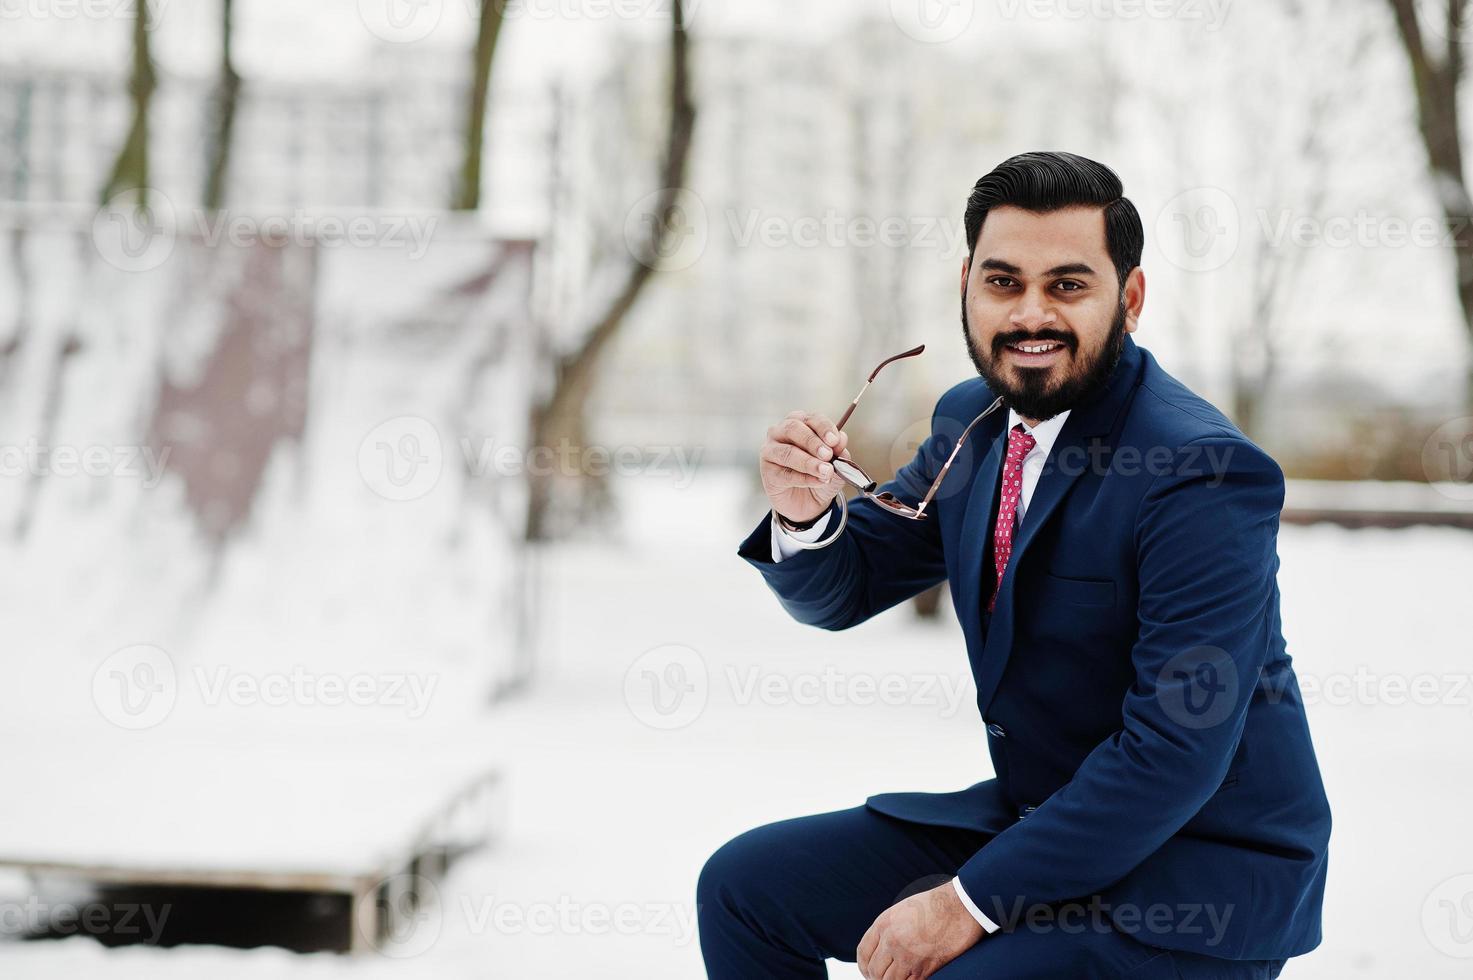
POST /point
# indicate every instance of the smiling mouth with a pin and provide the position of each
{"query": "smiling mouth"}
(1039, 349)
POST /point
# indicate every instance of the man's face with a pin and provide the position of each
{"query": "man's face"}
(1042, 309)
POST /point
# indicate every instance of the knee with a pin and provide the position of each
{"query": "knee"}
(730, 873)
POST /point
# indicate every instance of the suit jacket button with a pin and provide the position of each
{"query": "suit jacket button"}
(996, 730)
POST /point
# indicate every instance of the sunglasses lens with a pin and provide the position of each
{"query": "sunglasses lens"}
(853, 475)
(892, 503)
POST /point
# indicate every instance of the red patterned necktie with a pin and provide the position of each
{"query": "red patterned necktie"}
(1020, 444)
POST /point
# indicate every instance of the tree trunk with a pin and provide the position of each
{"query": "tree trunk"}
(223, 103)
(130, 169)
(561, 416)
(1436, 82)
(468, 191)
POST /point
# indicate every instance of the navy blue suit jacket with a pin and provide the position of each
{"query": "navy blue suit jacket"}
(1145, 725)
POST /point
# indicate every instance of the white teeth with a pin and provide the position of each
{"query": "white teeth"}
(1036, 348)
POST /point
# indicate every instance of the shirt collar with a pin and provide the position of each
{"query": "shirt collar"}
(1043, 434)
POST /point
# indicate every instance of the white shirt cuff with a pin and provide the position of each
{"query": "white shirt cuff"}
(782, 538)
(987, 924)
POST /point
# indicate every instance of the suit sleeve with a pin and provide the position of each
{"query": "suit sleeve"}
(878, 561)
(1207, 558)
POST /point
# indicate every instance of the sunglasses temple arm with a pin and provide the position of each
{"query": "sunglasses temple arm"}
(936, 484)
(872, 375)
(850, 410)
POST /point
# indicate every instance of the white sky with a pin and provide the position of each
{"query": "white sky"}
(331, 38)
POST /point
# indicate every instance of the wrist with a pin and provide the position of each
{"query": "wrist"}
(957, 911)
(788, 524)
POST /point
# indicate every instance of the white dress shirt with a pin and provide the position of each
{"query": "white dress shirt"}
(1044, 435)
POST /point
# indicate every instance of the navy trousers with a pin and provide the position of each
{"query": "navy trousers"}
(775, 902)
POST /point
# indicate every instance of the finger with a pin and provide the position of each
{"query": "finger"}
(879, 966)
(790, 456)
(785, 479)
(779, 477)
(897, 971)
(866, 949)
(801, 434)
(824, 428)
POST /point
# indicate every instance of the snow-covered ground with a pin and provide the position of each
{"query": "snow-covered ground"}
(619, 788)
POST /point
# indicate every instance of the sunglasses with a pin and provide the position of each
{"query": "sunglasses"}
(851, 472)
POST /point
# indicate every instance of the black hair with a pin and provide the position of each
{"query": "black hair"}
(1043, 181)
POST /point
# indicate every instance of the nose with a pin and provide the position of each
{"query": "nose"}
(1032, 312)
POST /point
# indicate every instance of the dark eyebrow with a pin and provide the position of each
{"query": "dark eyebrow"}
(1067, 269)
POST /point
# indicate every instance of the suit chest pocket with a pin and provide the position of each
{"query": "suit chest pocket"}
(1078, 591)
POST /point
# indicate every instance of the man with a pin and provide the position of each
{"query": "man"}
(1110, 544)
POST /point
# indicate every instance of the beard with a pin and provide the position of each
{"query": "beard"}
(1038, 393)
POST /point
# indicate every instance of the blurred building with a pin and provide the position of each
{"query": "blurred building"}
(390, 138)
(828, 181)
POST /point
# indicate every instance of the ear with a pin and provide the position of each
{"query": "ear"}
(966, 268)
(1135, 298)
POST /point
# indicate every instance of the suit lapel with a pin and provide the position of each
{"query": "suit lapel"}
(1087, 424)
(975, 532)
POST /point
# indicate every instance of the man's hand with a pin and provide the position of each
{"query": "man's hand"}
(796, 463)
(914, 938)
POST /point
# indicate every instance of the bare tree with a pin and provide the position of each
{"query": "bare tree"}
(130, 169)
(1296, 152)
(1436, 60)
(561, 415)
(468, 191)
(1214, 133)
(222, 104)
